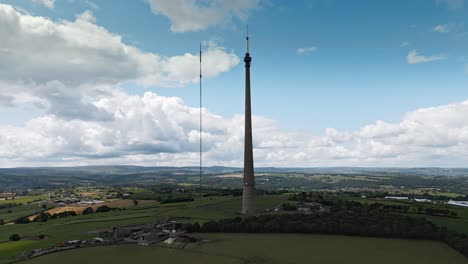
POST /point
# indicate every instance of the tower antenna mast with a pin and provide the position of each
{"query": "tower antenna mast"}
(201, 126)
(247, 38)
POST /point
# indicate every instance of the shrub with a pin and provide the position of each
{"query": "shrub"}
(22, 220)
(88, 210)
(15, 237)
(42, 217)
(103, 209)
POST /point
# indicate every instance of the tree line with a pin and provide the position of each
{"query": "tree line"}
(346, 218)
(44, 217)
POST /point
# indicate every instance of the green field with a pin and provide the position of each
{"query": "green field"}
(25, 199)
(225, 248)
(269, 248)
(78, 227)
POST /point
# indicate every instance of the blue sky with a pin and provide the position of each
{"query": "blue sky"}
(355, 69)
(359, 73)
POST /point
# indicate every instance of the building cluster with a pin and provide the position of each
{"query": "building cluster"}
(305, 208)
(76, 202)
(405, 198)
(169, 233)
(67, 245)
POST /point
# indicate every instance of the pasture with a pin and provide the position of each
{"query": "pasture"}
(88, 226)
(269, 248)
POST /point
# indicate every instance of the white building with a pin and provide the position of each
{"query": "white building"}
(396, 198)
(458, 203)
(422, 200)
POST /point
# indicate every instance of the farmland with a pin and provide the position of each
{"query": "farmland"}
(139, 197)
(88, 226)
(270, 248)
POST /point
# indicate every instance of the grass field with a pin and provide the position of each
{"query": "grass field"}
(364, 250)
(78, 227)
(269, 248)
(25, 199)
(10, 214)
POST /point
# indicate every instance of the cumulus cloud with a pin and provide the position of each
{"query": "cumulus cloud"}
(196, 15)
(306, 50)
(80, 61)
(87, 119)
(80, 51)
(47, 3)
(157, 130)
(415, 58)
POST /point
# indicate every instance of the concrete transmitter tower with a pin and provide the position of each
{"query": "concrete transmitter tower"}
(248, 197)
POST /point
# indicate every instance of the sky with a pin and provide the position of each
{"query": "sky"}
(334, 83)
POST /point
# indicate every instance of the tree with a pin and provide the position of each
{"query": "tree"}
(2, 221)
(88, 210)
(22, 220)
(289, 207)
(419, 209)
(42, 217)
(15, 237)
(135, 202)
(103, 209)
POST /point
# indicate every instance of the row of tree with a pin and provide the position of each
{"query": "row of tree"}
(349, 218)
(44, 217)
(337, 204)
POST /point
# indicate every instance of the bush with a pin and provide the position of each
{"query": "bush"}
(22, 220)
(103, 209)
(42, 217)
(88, 210)
(289, 207)
(63, 214)
(177, 200)
(15, 237)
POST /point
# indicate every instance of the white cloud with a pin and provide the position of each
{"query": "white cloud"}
(306, 50)
(445, 28)
(80, 51)
(157, 130)
(415, 58)
(47, 3)
(451, 4)
(86, 118)
(92, 4)
(404, 44)
(196, 15)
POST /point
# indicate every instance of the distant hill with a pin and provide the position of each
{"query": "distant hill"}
(128, 169)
